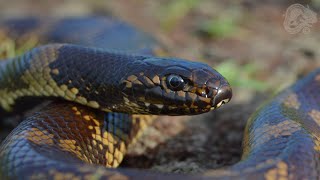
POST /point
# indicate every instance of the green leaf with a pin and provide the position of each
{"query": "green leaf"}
(241, 76)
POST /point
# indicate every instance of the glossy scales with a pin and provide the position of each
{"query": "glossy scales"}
(282, 138)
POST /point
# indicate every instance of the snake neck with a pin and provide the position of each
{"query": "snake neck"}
(74, 73)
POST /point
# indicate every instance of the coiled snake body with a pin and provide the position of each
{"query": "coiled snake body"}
(60, 141)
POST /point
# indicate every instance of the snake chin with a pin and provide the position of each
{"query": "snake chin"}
(175, 103)
(178, 110)
(219, 104)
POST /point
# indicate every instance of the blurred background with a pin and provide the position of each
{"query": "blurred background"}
(261, 47)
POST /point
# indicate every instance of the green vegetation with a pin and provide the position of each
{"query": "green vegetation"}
(241, 76)
(174, 11)
(222, 26)
(9, 48)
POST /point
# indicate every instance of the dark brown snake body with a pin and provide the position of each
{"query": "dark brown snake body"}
(282, 139)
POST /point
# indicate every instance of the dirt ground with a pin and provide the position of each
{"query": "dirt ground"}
(245, 40)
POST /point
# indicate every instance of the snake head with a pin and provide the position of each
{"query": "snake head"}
(174, 87)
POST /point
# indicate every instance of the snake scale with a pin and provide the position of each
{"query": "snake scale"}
(76, 138)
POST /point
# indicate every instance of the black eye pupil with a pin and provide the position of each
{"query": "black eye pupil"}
(175, 82)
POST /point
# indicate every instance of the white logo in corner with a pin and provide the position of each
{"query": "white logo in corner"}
(299, 19)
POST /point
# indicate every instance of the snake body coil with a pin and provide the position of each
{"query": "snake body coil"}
(282, 139)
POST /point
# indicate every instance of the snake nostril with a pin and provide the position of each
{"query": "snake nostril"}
(208, 92)
(211, 92)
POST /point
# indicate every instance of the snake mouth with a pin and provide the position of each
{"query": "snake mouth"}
(225, 101)
(174, 110)
(156, 100)
(224, 95)
(191, 104)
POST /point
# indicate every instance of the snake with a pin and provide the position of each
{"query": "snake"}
(103, 82)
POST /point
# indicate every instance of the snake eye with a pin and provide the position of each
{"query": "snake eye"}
(175, 82)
